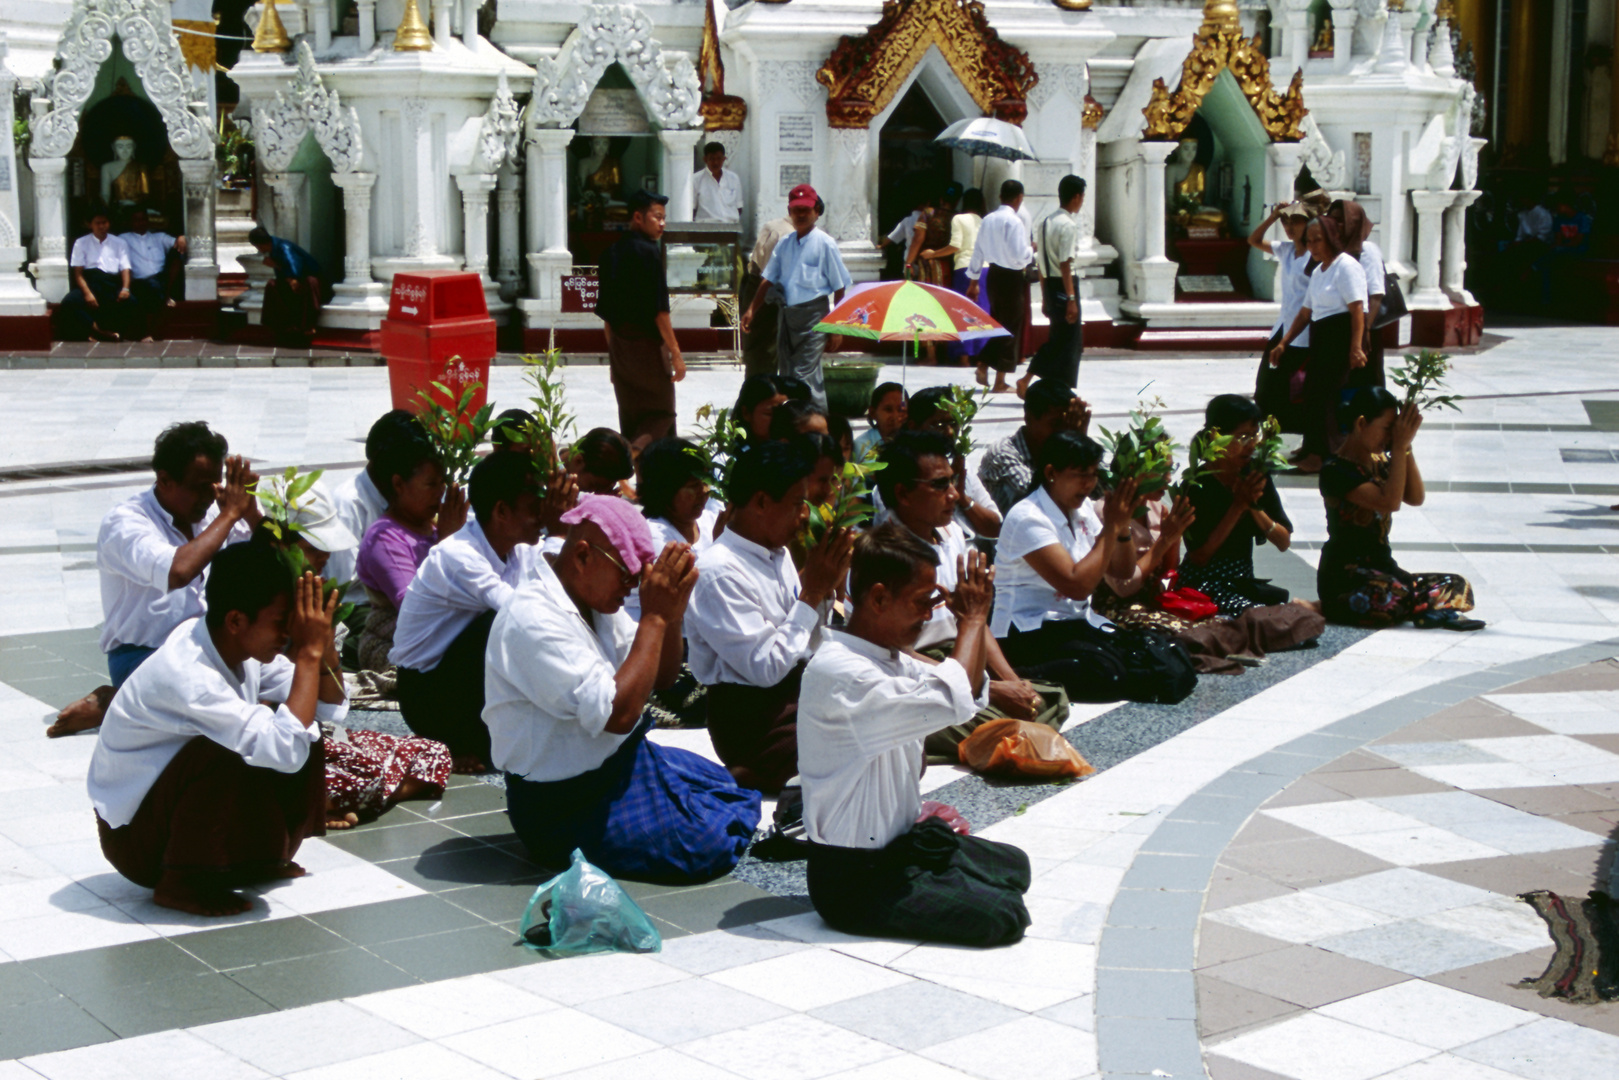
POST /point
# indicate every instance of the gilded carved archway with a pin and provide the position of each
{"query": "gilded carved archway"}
(863, 73)
(1220, 46)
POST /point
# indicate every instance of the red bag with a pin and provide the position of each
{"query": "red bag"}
(1188, 603)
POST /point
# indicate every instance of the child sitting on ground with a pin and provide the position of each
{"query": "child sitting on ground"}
(866, 706)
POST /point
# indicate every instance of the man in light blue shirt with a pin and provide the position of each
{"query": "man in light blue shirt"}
(809, 270)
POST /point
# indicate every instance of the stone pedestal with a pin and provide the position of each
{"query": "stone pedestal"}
(1453, 257)
(358, 302)
(1430, 209)
(202, 265)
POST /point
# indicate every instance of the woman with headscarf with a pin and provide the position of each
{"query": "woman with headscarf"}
(1357, 228)
(1334, 312)
(1273, 384)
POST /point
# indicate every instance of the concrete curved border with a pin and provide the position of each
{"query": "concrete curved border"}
(1146, 1001)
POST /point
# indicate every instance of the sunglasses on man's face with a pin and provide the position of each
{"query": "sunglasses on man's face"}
(940, 483)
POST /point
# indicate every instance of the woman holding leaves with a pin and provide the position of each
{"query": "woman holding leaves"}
(1334, 313)
(1371, 478)
(1237, 507)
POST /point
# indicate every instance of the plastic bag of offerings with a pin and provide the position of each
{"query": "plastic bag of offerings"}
(582, 910)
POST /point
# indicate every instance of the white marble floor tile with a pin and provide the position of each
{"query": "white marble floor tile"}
(1420, 845)
(1402, 891)
(549, 1044)
(792, 1048)
(809, 979)
(348, 887)
(682, 1011)
(903, 1067)
(1315, 1047)
(1448, 1067)
(167, 1055)
(1079, 880)
(1300, 917)
(1483, 777)
(1548, 1050)
(1079, 921)
(46, 896)
(1526, 835)
(70, 931)
(1030, 975)
(1416, 947)
(434, 1010)
(1503, 920)
(810, 929)
(1335, 819)
(426, 1061)
(306, 1038)
(916, 1015)
(654, 1065)
(1025, 1049)
(586, 978)
(717, 950)
(1544, 749)
(1428, 1014)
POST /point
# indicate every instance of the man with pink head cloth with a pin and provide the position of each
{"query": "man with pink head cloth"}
(566, 686)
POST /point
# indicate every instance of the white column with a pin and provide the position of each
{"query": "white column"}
(1298, 33)
(508, 252)
(475, 189)
(1453, 259)
(1344, 17)
(17, 296)
(50, 226)
(469, 22)
(442, 31)
(1430, 206)
(202, 267)
(367, 13)
(286, 196)
(546, 185)
(1157, 271)
(679, 163)
(318, 15)
(1284, 169)
(356, 187)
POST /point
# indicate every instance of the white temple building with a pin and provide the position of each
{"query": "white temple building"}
(500, 137)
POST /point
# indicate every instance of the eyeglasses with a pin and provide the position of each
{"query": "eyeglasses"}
(940, 483)
(628, 579)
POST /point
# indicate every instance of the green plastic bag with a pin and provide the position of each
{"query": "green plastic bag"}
(581, 911)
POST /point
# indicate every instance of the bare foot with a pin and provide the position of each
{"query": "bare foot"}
(470, 765)
(982, 375)
(342, 821)
(83, 715)
(1000, 387)
(1023, 387)
(198, 896)
(415, 788)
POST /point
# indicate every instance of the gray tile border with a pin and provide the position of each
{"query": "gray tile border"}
(1147, 950)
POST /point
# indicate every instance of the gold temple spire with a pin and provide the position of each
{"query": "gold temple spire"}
(412, 35)
(270, 35)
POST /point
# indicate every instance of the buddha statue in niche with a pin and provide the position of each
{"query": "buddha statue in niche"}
(124, 181)
(1191, 190)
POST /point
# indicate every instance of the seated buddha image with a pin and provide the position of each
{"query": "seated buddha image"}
(124, 180)
(1192, 190)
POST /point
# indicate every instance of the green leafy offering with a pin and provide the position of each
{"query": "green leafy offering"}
(1202, 459)
(279, 498)
(1422, 376)
(962, 405)
(719, 437)
(850, 506)
(456, 437)
(1270, 455)
(552, 426)
(1143, 451)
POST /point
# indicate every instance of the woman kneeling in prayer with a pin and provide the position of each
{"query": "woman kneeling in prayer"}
(565, 699)
(864, 710)
(1363, 485)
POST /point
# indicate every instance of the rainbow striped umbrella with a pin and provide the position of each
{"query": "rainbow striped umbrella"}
(909, 311)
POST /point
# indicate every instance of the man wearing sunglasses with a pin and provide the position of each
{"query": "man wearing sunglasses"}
(918, 488)
(569, 675)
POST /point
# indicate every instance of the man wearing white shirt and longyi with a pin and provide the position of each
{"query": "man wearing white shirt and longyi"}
(569, 675)
(1003, 244)
(451, 603)
(754, 619)
(716, 190)
(209, 772)
(152, 277)
(874, 868)
(100, 305)
(152, 549)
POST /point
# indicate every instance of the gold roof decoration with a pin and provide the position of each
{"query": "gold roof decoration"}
(720, 111)
(1219, 47)
(1090, 117)
(200, 49)
(271, 34)
(412, 34)
(864, 72)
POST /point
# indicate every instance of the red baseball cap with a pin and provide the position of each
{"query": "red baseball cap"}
(802, 195)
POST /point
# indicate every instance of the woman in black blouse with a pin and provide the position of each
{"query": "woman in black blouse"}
(1235, 508)
(1371, 477)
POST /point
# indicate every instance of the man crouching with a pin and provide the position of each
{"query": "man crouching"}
(863, 711)
(209, 772)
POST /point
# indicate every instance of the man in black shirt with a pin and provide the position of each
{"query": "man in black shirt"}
(642, 354)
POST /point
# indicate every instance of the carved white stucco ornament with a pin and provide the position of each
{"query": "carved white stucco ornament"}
(1327, 165)
(148, 41)
(500, 136)
(308, 107)
(609, 33)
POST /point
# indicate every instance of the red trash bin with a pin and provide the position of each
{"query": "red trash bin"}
(438, 330)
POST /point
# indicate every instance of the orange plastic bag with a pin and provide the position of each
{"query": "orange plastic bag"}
(1019, 748)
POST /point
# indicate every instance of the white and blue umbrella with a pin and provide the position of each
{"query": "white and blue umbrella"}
(986, 136)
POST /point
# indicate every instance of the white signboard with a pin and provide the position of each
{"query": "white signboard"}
(613, 112)
(795, 133)
(792, 176)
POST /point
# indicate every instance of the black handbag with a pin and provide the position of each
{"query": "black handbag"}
(1393, 308)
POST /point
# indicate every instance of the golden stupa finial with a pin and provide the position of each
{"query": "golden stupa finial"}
(1220, 16)
(412, 35)
(270, 35)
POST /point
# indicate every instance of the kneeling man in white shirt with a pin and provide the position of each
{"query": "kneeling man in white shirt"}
(209, 772)
(874, 868)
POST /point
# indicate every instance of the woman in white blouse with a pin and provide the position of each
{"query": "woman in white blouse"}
(1053, 551)
(673, 491)
(1334, 312)
(1357, 230)
(1273, 384)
